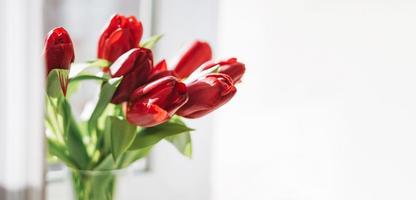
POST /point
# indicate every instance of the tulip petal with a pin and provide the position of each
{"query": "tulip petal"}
(146, 114)
(231, 67)
(198, 53)
(124, 63)
(136, 29)
(207, 94)
(120, 35)
(156, 102)
(117, 44)
(135, 66)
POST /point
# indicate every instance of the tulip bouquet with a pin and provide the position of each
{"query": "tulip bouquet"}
(139, 103)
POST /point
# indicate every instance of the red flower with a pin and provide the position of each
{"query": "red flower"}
(161, 70)
(156, 102)
(195, 56)
(135, 66)
(160, 67)
(231, 67)
(58, 51)
(120, 35)
(207, 94)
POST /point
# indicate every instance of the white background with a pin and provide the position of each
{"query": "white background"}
(21, 95)
(327, 107)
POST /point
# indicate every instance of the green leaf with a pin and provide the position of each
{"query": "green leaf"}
(182, 142)
(57, 79)
(76, 82)
(103, 128)
(73, 137)
(106, 94)
(87, 77)
(80, 68)
(131, 156)
(106, 164)
(121, 135)
(72, 88)
(53, 120)
(66, 141)
(107, 136)
(124, 160)
(152, 135)
(151, 42)
(58, 150)
(110, 110)
(99, 63)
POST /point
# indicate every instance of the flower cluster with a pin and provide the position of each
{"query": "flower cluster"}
(153, 93)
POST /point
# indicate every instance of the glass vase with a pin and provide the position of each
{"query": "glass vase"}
(95, 185)
(64, 183)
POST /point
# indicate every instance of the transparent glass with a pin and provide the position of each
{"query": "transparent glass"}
(95, 185)
(70, 184)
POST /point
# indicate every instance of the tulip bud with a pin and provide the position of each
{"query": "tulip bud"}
(195, 56)
(156, 102)
(58, 50)
(231, 67)
(207, 94)
(120, 35)
(135, 66)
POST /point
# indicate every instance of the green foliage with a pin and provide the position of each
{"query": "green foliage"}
(73, 138)
(132, 156)
(152, 135)
(66, 141)
(151, 42)
(55, 149)
(86, 68)
(88, 77)
(120, 135)
(57, 79)
(104, 99)
(183, 141)
(99, 63)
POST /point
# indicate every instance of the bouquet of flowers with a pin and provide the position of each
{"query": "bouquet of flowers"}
(139, 104)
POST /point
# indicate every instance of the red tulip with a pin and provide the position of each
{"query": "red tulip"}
(207, 94)
(162, 66)
(120, 35)
(58, 51)
(231, 67)
(195, 56)
(135, 66)
(156, 102)
(161, 70)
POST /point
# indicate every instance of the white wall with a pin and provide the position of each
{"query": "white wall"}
(327, 108)
(21, 104)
